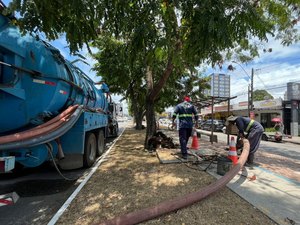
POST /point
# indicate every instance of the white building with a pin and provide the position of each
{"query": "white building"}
(220, 85)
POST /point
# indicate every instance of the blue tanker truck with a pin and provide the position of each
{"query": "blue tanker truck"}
(49, 109)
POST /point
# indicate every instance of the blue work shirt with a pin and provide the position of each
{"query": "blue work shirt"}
(185, 112)
(104, 87)
(242, 124)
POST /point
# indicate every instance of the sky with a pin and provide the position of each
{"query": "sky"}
(272, 70)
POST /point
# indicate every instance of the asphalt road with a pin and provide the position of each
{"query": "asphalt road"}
(42, 191)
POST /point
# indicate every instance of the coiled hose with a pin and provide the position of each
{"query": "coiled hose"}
(46, 132)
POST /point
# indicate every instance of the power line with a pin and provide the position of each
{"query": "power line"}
(242, 93)
(259, 71)
(261, 80)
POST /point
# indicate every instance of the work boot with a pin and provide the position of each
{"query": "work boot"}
(250, 162)
(250, 158)
(184, 156)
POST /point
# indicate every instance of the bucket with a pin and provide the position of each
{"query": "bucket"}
(223, 166)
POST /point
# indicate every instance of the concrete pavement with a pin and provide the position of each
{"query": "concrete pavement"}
(276, 196)
(294, 140)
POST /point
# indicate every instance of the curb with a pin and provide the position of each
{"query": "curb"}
(293, 142)
(63, 208)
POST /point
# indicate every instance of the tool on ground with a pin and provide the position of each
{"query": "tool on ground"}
(250, 178)
(195, 142)
(232, 154)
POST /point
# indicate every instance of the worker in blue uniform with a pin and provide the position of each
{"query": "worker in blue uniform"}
(253, 130)
(185, 112)
(103, 86)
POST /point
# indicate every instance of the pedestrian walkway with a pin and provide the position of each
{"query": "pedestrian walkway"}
(272, 193)
(294, 140)
(276, 196)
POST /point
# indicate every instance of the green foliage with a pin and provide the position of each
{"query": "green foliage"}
(260, 95)
(169, 37)
(270, 129)
(77, 19)
(206, 28)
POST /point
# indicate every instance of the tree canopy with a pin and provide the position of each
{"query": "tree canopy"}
(166, 38)
(205, 28)
(260, 95)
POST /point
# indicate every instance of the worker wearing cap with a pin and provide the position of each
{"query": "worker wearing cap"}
(185, 112)
(254, 132)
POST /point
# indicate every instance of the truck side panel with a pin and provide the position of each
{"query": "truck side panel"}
(73, 141)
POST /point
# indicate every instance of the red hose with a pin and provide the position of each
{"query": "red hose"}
(183, 201)
(42, 129)
(68, 111)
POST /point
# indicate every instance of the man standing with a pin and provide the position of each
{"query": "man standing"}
(185, 112)
(254, 132)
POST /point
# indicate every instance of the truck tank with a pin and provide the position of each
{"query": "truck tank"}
(48, 107)
(36, 82)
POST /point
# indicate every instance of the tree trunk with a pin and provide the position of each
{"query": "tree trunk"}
(138, 111)
(138, 116)
(150, 113)
(151, 122)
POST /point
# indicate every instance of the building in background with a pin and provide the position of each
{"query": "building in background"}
(291, 108)
(220, 85)
(263, 111)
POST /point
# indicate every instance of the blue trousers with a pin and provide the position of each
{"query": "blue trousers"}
(254, 138)
(184, 135)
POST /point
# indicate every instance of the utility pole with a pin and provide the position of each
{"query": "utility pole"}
(249, 99)
(250, 88)
(251, 102)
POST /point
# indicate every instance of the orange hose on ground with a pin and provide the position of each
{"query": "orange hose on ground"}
(183, 201)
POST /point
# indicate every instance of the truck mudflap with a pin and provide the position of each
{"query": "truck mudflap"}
(7, 164)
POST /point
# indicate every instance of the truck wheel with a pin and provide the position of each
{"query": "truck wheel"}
(100, 143)
(90, 147)
(116, 130)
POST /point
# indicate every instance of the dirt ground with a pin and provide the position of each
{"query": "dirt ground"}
(132, 179)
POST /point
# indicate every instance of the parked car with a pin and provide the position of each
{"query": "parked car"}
(217, 126)
(272, 136)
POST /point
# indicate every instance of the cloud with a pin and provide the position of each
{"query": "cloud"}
(272, 71)
(279, 53)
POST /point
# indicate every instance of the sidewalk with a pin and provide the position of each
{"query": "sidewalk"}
(272, 192)
(294, 140)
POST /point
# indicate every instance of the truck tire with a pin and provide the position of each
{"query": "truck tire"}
(100, 143)
(90, 149)
(116, 130)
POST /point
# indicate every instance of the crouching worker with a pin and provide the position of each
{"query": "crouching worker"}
(253, 130)
(185, 112)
